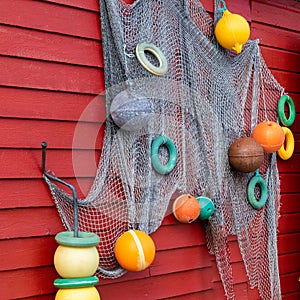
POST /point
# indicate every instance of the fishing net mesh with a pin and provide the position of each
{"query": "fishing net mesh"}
(208, 98)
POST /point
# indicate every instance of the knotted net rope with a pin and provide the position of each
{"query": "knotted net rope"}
(208, 98)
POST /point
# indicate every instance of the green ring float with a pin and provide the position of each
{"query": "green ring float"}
(292, 113)
(72, 283)
(141, 56)
(156, 144)
(254, 181)
(84, 239)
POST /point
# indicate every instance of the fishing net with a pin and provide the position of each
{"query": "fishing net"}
(207, 98)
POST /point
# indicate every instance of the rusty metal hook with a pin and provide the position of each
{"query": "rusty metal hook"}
(71, 187)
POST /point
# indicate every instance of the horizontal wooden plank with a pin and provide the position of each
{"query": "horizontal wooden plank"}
(41, 297)
(266, 12)
(27, 282)
(63, 163)
(275, 37)
(235, 253)
(289, 182)
(28, 43)
(289, 263)
(288, 243)
(24, 193)
(27, 252)
(289, 203)
(51, 17)
(159, 287)
(29, 222)
(20, 133)
(180, 235)
(291, 5)
(289, 166)
(26, 73)
(177, 260)
(51, 105)
(128, 276)
(289, 81)
(289, 282)
(291, 296)
(199, 280)
(281, 59)
(238, 271)
(87, 4)
(193, 296)
(216, 292)
(253, 293)
(289, 223)
(20, 193)
(236, 7)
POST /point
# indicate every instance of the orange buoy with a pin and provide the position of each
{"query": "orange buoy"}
(245, 154)
(186, 208)
(134, 250)
(270, 135)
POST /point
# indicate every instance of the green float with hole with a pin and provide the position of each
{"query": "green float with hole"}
(76, 260)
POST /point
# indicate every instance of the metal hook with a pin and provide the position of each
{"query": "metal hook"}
(71, 187)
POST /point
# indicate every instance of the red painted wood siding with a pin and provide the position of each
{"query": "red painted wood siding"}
(51, 76)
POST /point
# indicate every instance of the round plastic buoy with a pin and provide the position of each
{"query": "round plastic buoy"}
(89, 293)
(130, 111)
(207, 207)
(186, 208)
(245, 154)
(232, 31)
(134, 250)
(76, 256)
(270, 135)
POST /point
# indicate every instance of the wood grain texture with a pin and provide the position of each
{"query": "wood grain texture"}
(87, 4)
(35, 74)
(51, 105)
(50, 17)
(34, 44)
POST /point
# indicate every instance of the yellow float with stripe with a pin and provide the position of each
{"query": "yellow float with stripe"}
(287, 149)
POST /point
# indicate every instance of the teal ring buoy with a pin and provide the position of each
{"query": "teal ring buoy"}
(84, 239)
(156, 144)
(72, 283)
(141, 56)
(254, 181)
(292, 112)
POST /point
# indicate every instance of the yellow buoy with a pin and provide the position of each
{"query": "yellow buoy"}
(90, 293)
(232, 31)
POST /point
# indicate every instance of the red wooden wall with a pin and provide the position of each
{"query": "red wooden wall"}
(51, 76)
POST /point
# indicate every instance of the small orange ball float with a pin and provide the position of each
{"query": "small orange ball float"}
(186, 208)
(245, 154)
(134, 250)
(270, 135)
